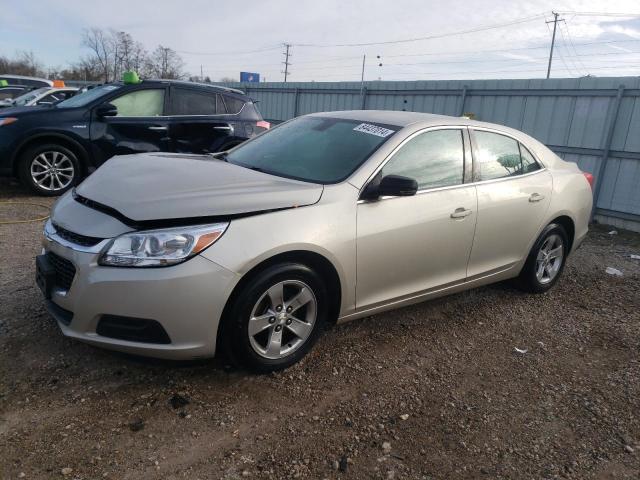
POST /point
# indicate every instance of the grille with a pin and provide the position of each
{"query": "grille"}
(65, 271)
(76, 237)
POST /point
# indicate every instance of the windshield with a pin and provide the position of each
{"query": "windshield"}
(313, 149)
(87, 97)
(27, 97)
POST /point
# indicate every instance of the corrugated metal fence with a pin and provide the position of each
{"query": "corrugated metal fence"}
(594, 122)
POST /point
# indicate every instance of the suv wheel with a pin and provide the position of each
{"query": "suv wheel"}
(49, 169)
(546, 260)
(276, 318)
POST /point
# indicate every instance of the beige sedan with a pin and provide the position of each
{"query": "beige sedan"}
(328, 217)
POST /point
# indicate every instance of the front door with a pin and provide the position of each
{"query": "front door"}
(514, 192)
(410, 245)
(139, 126)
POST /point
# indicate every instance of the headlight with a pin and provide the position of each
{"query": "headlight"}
(160, 248)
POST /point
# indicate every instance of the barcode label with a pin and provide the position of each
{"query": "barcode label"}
(373, 130)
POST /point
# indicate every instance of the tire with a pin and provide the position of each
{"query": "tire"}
(253, 319)
(531, 279)
(49, 169)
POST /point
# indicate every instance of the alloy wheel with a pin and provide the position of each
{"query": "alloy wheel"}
(282, 319)
(52, 170)
(549, 259)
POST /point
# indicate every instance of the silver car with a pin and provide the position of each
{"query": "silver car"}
(328, 217)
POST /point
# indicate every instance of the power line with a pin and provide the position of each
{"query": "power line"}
(575, 52)
(430, 37)
(245, 52)
(499, 50)
(485, 71)
(601, 14)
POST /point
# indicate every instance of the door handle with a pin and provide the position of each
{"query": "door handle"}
(223, 127)
(159, 128)
(536, 197)
(461, 213)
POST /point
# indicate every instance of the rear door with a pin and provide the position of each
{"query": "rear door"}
(199, 122)
(140, 125)
(514, 192)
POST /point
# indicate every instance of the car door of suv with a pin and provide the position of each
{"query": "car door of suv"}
(412, 245)
(514, 192)
(139, 126)
(199, 122)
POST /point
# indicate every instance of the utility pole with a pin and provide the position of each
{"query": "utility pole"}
(364, 58)
(553, 40)
(201, 75)
(286, 60)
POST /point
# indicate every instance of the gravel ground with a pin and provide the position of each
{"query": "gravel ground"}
(432, 391)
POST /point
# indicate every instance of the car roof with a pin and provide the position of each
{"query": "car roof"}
(403, 119)
(389, 117)
(186, 83)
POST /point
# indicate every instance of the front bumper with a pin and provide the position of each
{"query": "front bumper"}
(185, 299)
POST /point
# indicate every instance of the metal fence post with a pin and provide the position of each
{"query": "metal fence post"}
(364, 98)
(463, 97)
(607, 149)
(295, 102)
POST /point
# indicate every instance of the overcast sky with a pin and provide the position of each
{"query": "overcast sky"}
(218, 35)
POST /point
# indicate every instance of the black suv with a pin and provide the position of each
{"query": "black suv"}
(51, 148)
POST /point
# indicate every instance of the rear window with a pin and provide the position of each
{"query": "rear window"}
(233, 104)
(313, 149)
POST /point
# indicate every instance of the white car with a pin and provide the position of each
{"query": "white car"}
(40, 96)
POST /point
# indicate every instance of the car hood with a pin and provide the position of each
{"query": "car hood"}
(11, 110)
(150, 187)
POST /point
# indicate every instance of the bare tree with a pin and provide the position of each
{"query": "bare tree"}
(165, 63)
(101, 47)
(228, 79)
(110, 53)
(24, 63)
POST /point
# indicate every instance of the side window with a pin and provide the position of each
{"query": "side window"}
(140, 103)
(498, 155)
(191, 102)
(433, 159)
(233, 104)
(529, 163)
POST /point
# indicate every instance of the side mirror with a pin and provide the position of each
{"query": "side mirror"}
(391, 186)
(106, 110)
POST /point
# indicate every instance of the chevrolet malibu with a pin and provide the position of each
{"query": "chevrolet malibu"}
(328, 217)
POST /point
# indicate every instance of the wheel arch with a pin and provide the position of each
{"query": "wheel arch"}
(317, 262)
(64, 140)
(569, 226)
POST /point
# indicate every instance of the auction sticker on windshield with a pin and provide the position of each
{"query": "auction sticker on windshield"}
(373, 130)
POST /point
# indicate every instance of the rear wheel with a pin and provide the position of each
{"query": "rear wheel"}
(546, 260)
(49, 169)
(275, 319)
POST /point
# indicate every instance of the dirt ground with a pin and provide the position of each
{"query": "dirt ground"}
(432, 391)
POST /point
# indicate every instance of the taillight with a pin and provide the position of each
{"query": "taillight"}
(263, 124)
(589, 178)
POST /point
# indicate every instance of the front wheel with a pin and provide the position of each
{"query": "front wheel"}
(546, 260)
(49, 169)
(275, 319)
